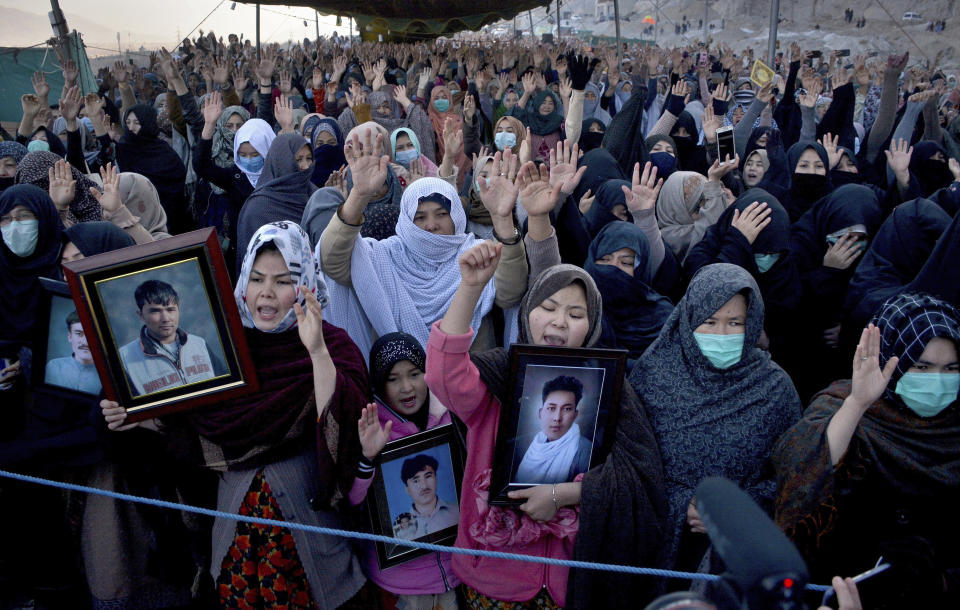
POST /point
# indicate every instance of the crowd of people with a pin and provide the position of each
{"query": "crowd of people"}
(395, 216)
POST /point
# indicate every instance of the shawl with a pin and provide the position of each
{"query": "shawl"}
(476, 211)
(309, 123)
(34, 169)
(145, 153)
(633, 312)
(97, 237)
(389, 122)
(518, 130)
(320, 209)
(549, 461)
(898, 252)
(294, 246)
(930, 175)
(601, 166)
(502, 110)
(593, 110)
(798, 200)
(140, 197)
(281, 417)
(282, 191)
(222, 149)
(541, 124)
(406, 282)
(624, 137)
(430, 169)
(19, 275)
(679, 197)
(437, 119)
(260, 135)
(16, 150)
(710, 421)
(608, 196)
(327, 158)
(622, 506)
(940, 275)
(381, 215)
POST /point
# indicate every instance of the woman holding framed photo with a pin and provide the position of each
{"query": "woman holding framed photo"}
(289, 451)
(611, 513)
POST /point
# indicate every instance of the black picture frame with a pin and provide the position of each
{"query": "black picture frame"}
(54, 305)
(600, 373)
(215, 368)
(386, 505)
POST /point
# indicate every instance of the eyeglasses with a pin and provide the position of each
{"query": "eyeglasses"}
(20, 217)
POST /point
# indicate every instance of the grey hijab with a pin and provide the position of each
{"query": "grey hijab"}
(550, 281)
(709, 421)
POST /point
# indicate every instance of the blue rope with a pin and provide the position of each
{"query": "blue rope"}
(316, 529)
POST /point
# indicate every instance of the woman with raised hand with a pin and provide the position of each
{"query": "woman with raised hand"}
(290, 451)
(872, 469)
(612, 513)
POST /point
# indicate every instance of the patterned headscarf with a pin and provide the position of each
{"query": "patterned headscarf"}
(34, 169)
(294, 246)
(389, 350)
(223, 137)
(13, 149)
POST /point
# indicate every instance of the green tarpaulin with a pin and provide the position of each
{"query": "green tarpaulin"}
(18, 65)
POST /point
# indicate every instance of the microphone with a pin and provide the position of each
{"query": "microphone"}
(764, 569)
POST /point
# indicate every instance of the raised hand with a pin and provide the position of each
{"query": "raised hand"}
(752, 220)
(898, 158)
(711, 123)
(469, 108)
(644, 190)
(452, 137)
(63, 187)
(721, 93)
(479, 263)
(110, 197)
(586, 201)
(30, 104)
(400, 95)
(500, 196)
(868, 381)
(221, 71)
(284, 82)
(566, 88)
(355, 96)
(537, 194)
(310, 323)
(954, 168)
(283, 112)
(718, 170)
(563, 167)
(70, 103)
(842, 254)
(812, 93)
(212, 108)
(367, 167)
(264, 69)
(169, 66)
(830, 143)
(240, 81)
(898, 62)
(70, 73)
(40, 85)
(121, 73)
(416, 170)
(373, 436)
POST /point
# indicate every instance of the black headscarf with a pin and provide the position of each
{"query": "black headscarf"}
(590, 140)
(609, 195)
(940, 275)
(806, 189)
(326, 158)
(900, 249)
(690, 156)
(97, 237)
(845, 207)
(19, 277)
(282, 191)
(601, 166)
(633, 312)
(145, 153)
(930, 174)
(624, 137)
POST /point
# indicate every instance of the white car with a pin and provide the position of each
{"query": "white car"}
(911, 16)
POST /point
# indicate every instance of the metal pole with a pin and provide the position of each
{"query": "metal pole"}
(316, 21)
(706, 17)
(774, 21)
(616, 18)
(258, 31)
(350, 19)
(530, 16)
(558, 21)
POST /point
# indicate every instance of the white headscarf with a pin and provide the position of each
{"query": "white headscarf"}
(260, 135)
(294, 246)
(407, 282)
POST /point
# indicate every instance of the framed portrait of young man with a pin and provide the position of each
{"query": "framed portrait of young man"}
(559, 422)
(162, 326)
(415, 494)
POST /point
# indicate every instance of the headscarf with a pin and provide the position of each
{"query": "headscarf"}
(590, 140)
(601, 166)
(633, 312)
(437, 119)
(282, 191)
(624, 137)
(294, 246)
(395, 120)
(540, 124)
(621, 97)
(223, 138)
(88, 142)
(593, 110)
(34, 169)
(930, 175)
(845, 207)
(518, 129)
(260, 136)
(476, 211)
(711, 421)
(675, 204)
(407, 282)
(898, 252)
(608, 196)
(940, 275)
(326, 158)
(97, 237)
(16, 151)
(389, 350)
(19, 275)
(801, 198)
(140, 197)
(690, 156)
(309, 123)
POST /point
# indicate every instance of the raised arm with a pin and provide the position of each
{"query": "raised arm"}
(887, 112)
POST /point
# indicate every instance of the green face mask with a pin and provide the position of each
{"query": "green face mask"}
(723, 351)
(441, 105)
(927, 394)
(765, 261)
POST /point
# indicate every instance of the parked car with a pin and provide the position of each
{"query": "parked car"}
(911, 16)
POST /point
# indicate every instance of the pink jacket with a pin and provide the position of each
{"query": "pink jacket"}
(454, 379)
(424, 575)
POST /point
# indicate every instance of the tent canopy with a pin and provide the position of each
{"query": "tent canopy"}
(420, 19)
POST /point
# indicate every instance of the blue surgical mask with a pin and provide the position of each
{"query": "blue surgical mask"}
(505, 140)
(251, 165)
(927, 394)
(665, 163)
(21, 236)
(309, 94)
(476, 184)
(454, 91)
(723, 351)
(38, 145)
(406, 157)
(441, 105)
(766, 261)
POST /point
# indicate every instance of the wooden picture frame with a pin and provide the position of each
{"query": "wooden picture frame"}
(134, 303)
(563, 395)
(391, 504)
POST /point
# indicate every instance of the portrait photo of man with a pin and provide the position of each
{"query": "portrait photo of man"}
(429, 513)
(77, 371)
(558, 452)
(164, 355)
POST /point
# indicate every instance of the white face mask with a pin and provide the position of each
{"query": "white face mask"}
(21, 236)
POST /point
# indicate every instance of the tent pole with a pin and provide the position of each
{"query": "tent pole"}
(258, 31)
(616, 16)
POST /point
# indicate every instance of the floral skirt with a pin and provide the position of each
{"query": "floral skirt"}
(478, 601)
(262, 568)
